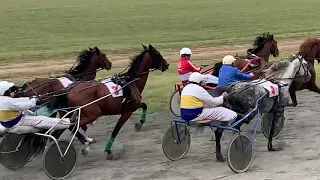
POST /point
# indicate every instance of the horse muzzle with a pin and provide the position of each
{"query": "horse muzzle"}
(165, 67)
(303, 78)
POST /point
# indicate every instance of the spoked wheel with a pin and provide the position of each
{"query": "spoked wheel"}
(55, 166)
(171, 146)
(266, 125)
(175, 103)
(15, 151)
(239, 155)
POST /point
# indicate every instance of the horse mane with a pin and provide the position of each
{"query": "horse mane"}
(83, 61)
(259, 42)
(306, 47)
(134, 64)
(276, 68)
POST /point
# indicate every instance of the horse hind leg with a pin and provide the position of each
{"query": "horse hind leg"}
(218, 135)
(83, 138)
(83, 131)
(143, 118)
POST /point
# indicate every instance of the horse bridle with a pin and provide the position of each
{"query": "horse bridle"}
(305, 68)
(262, 44)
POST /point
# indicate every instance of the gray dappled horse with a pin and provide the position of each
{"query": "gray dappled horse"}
(245, 94)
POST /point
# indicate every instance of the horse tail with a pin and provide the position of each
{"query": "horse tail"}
(216, 69)
(37, 143)
(59, 100)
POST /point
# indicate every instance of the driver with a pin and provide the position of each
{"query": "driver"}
(229, 74)
(194, 98)
(14, 112)
(185, 68)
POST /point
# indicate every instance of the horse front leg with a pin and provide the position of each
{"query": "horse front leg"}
(293, 96)
(276, 115)
(218, 135)
(270, 147)
(143, 118)
(314, 88)
(124, 117)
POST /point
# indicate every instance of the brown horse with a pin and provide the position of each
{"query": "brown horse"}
(263, 46)
(88, 63)
(310, 51)
(133, 81)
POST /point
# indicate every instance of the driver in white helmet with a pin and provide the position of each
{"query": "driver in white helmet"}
(194, 98)
(185, 68)
(229, 74)
(14, 113)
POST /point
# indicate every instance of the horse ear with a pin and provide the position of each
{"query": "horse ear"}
(144, 47)
(150, 46)
(96, 49)
(90, 49)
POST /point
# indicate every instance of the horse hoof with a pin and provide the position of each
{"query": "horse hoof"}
(137, 126)
(220, 158)
(92, 141)
(292, 105)
(111, 157)
(84, 152)
(273, 148)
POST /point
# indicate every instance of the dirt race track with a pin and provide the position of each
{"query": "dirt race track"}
(142, 156)
(26, 69)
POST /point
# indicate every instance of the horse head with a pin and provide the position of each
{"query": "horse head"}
(88, 63)
(100, 59)
(310, 50)
(158, 62)
(264, 45)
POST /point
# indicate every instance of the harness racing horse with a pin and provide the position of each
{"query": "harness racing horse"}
(263, 46)
(245, 94)
(134, 81)
(88, 63)
(309, 50)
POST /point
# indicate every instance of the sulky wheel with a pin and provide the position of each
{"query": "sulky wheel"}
(173, 149)
(239, 155)
(15, 151)
(266, 124)
(175, 103)
(55, 166)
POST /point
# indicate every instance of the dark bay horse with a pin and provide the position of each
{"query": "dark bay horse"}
(85, 69)
(310, 51)
(263, 46)
(134, 81)
(88, 63)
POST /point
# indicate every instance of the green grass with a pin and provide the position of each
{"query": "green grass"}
(58, 28)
